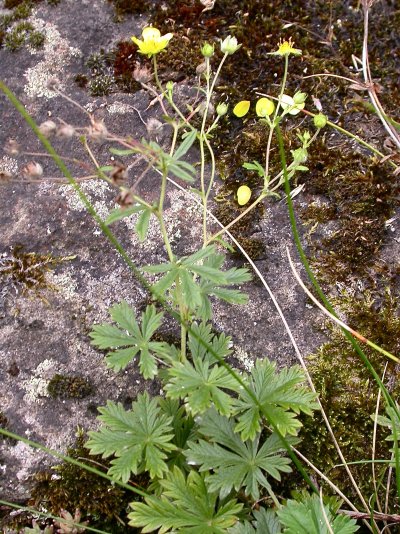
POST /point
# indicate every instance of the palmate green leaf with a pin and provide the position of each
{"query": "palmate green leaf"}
(210, 288)
(199, 276)
(202, 334)
(281, 395)
(185, 506)
(307, 517)
(235, 464)
(139, 438)
(266, 522)
(129, 339)
(201, 385)
(190, 290)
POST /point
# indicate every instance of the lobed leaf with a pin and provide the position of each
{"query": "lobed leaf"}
(185, 506)
(140, 438)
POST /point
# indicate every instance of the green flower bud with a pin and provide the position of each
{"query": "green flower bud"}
(207, 50)
(229, 45)
(320, 120)
(169, 85)
(299, 98)
(222, 109)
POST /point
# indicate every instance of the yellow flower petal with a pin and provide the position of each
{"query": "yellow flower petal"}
(241, 108)
(150, 34)
(153, 42)
(264, 107)
(243, 195)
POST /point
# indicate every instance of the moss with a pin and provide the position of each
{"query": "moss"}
(23, 11)
(124, 64)
(14, 40)
(349, 394)
(69, 387)
(6, 21)
(315, 213)
(27, 270)
(102, 503)
(254, 247)
(128, 7)
(81, 80)
(360, 195)
(11, 4)
(36, 39)
(101, 85)
(97, 63)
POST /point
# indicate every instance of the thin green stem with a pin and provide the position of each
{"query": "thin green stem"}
(163, 190)
(388, 399)
(157, 79)
(273, 122)
(203, 140)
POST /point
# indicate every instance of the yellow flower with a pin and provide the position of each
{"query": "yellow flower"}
(241, 108)
(285, 48)
(264, 107)
(153, 42)
(243, 195)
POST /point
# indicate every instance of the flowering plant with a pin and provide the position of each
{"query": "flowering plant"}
(153, 42)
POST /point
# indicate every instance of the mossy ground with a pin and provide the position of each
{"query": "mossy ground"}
(15, 32)
(26, 271)
(104, 505)
(69, 387)
(349, 394)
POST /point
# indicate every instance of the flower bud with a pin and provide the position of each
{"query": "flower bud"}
(320, 120)
(169, 86)
(299, 98)
(207, 50)
(118, 175)
(12, 147)
(153, 126)
(201, 68)
(5, 175)
(229, 45)
(98, 130)
(222, 109)
(125, 198)
(142, 74)
(65, 131)
(33, 169)
(243, 195)
(264, 107)
(47, 128)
